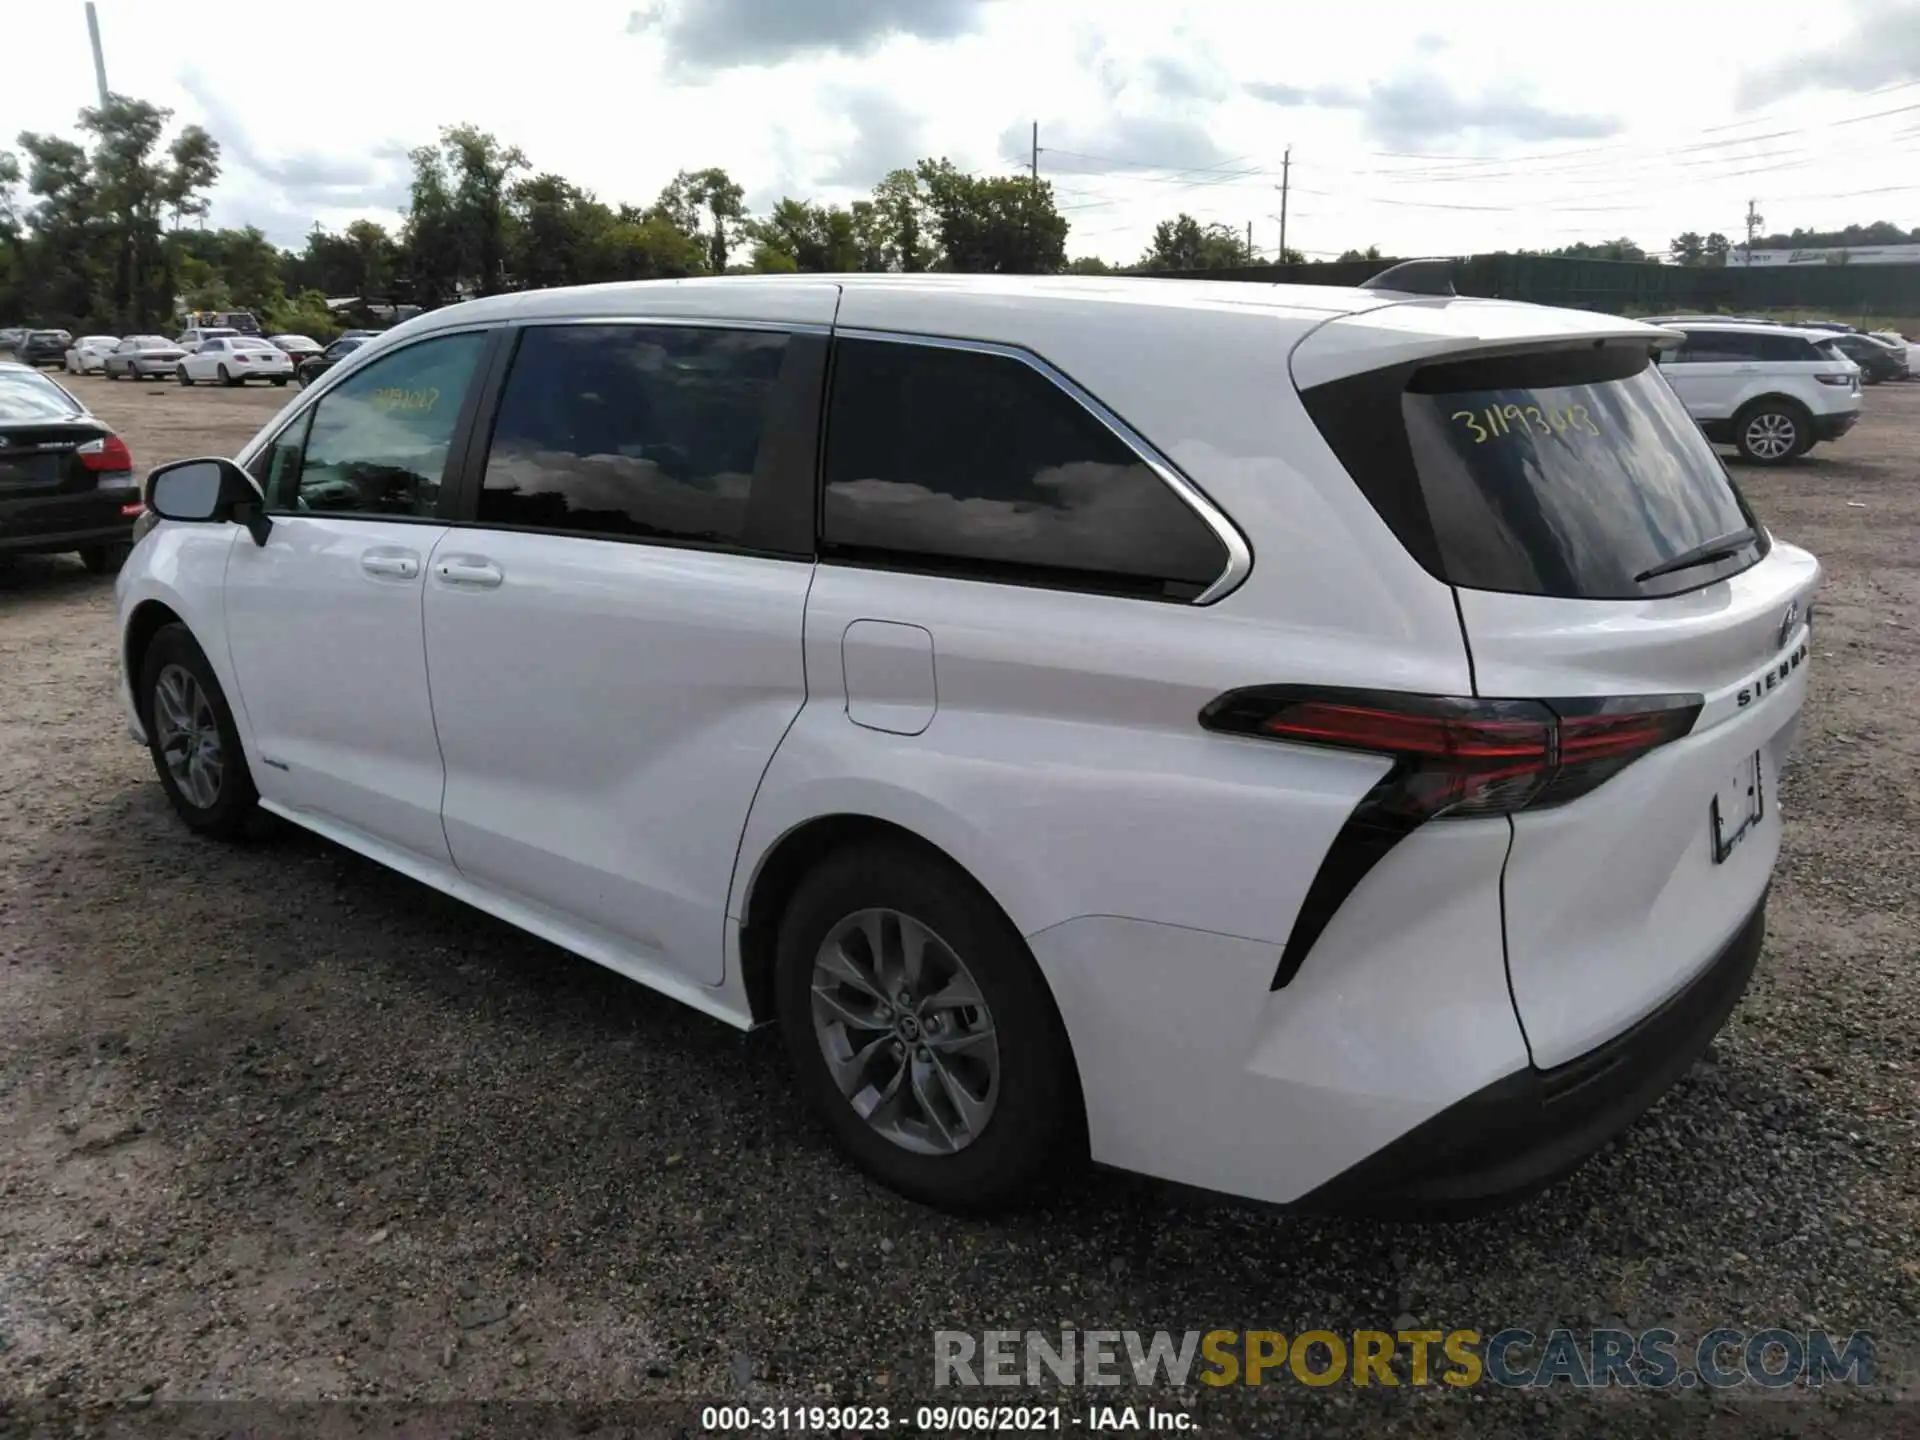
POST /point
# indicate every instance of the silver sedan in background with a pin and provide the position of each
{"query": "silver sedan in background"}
(143, 357)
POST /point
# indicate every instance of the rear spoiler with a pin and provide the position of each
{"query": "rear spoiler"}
(1415, 277)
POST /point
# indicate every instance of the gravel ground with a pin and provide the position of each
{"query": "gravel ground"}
(278, 1125)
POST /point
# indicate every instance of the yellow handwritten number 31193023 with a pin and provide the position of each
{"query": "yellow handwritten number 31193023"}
(1498, 420)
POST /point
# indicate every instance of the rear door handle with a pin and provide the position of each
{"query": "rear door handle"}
(468, 570)
(397, 563)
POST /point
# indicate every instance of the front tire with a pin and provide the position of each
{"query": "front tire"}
(191, 736)
(921, 1031)
(1772, 432)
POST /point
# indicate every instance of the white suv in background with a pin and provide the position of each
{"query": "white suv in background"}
(1772, 391)
(1321, 745)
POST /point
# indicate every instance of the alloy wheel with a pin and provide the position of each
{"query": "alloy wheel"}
(905, 1031)
(1772, 435)
(189, 736)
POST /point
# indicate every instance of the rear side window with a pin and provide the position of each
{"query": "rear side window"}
(632, 432)
(972, 463)
(1562, 474)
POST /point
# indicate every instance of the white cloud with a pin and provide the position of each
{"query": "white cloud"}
(1516, 112)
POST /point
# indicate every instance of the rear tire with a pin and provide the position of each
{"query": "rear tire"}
(180, 374)
(1773, 432)
(281, 381)
(187, 718)
(973, 1103)
(105, 559)
(225, 378)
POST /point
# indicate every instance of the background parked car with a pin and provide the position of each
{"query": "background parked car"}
(314, 366)
(1877, 360)
(44, 347)
(1772, 390)
(191, 339)
(66, 480)
(11, 337)
(142, 357)
(234, 360)
(88, 354)
(1894, 337)
(298, 346)
(239, 321)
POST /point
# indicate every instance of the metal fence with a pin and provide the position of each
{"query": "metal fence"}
(1839, 291)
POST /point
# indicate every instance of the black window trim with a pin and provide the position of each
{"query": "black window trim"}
(462, 494)
(1239, 553)
(478, 388)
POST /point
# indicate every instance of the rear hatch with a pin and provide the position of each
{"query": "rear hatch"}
(1607, 571)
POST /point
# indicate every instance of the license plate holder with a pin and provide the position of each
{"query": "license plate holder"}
(1737, 808)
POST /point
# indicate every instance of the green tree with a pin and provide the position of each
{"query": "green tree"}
(1090, 265)
(1372, 252)
(993, 224)
(709, 204)
(136, 185)
(902, 223)
(1716, 249)
(1687, 248)
(800, 236)
(1183, 243)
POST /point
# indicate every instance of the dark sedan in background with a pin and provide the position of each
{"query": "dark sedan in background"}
(66, 480)
(314, 366)
(1877, 360)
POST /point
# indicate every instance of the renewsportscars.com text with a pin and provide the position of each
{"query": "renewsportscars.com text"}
(1513, 1358)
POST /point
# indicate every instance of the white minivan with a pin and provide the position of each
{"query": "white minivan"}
(1321, 745)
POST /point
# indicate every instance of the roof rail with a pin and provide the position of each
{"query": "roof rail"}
(1415, 277)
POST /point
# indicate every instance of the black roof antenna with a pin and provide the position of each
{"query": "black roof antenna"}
(1415, 277)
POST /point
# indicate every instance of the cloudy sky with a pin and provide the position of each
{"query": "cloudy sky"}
(1417, 127)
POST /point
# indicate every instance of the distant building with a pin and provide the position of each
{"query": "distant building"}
(1831, 255)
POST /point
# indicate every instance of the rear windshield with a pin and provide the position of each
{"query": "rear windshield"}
(1562, 474)
(25, 395)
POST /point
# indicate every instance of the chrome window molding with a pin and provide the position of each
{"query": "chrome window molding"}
(1239, 555)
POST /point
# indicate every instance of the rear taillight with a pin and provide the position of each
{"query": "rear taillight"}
(1834, 379)
(1464, 757)
(1450, 757)
(109, 452)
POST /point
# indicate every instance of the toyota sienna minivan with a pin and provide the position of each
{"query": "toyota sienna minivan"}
(1320, 745)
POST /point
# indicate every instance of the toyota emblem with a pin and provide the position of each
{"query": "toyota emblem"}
(1787, 624)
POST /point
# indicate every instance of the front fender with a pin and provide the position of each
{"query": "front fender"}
(182, 567)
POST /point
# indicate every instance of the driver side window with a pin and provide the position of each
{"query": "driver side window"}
(378, 443)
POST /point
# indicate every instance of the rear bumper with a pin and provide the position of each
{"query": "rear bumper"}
(1524, 1131)
(1832, 427)
(36, 542)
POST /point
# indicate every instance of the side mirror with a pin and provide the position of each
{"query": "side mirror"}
(212, 489)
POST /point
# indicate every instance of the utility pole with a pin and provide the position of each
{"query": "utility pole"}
(1249, 242)
(99, 59)
(1035, 162)
(1286, 166)
(1754, 221)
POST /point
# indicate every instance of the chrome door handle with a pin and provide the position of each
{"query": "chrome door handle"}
(404, 567)
(481, 574)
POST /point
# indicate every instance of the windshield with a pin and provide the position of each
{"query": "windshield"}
(1563, 474)
(28, 395)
